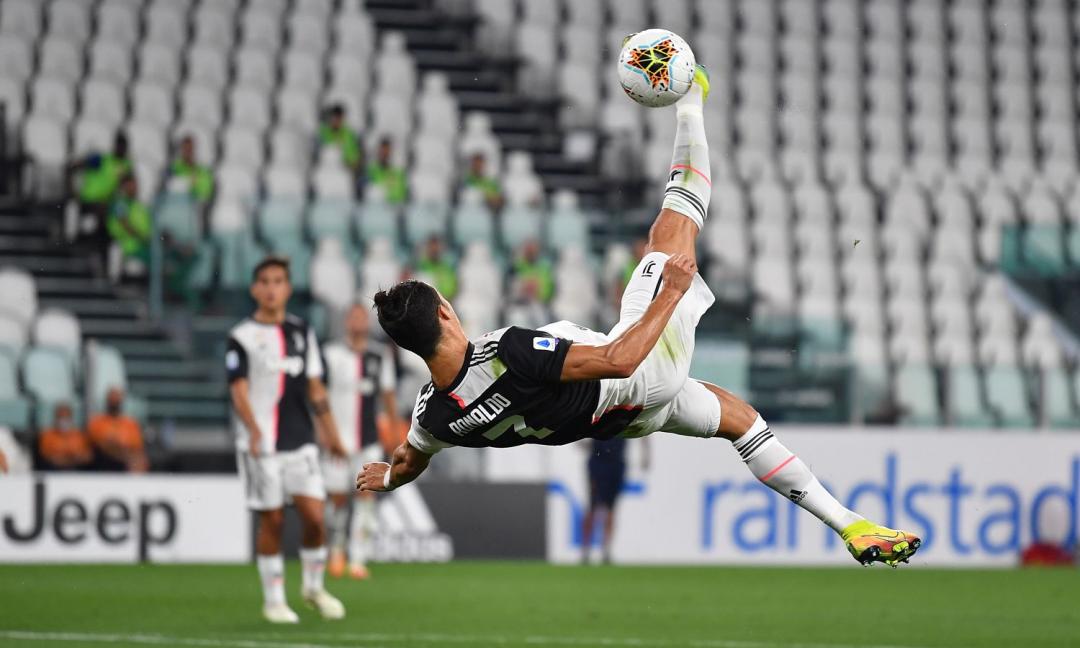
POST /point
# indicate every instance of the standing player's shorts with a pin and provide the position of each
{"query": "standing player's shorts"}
(340, 474)
(671, 402)
(606, 480)
(272, 480)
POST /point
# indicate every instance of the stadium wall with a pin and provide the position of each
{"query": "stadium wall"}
(976, 498)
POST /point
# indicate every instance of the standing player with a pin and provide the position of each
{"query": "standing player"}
(276, 383)
(361, 374)
(607, 475)
(564, 382)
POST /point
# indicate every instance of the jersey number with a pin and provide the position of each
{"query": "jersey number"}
(518, 422)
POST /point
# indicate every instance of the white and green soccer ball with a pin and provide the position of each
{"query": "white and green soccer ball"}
(656, 67)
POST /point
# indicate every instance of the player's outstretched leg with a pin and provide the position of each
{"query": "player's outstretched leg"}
(779, 469)
(689, 187)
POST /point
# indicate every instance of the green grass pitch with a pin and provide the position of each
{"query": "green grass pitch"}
(465, 605)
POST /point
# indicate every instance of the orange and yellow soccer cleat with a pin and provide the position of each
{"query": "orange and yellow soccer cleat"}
(870, 543)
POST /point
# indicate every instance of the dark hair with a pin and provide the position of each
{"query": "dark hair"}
(271, 261)
(409, 313)
(335, 110)
(120, 145)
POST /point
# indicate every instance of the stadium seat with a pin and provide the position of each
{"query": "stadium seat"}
(46, 145)
(52, 98)
(177, 214)
(13, 333)
(331, 218)
(260, 29)
(297, 111)
(207, 67)
(161, 20)
(201, 105)
(242, 147)
(213, 26)
(152, 104)
(395, 70)
(1007, 394)
(92, 136)
(109, 60)
(281, 219)
(354, 33)
(916, 391)
(307, 32)
(248, 106)
(70, 19)
(236, 182)
(520, 224)
(376, 220)
(159, 64)
(48, 377)
(21, 18)
(380, 268)
(102, 101)
(480, 274)
(333, 278)
(964, 398)
(425, 220)
(1059, 408)
(255, 69)
(17, 56)
(118, 22)
(14, 407)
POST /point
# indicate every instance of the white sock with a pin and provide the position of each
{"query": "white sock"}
(689, 186)
(337, 525)
(364, 523)
(272, 575)
(313, 565)
(779, 469)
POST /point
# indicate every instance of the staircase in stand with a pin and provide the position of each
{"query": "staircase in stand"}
(180, 389)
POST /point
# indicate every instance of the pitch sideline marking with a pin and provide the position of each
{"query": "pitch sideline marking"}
(257, 641)
(153, 640)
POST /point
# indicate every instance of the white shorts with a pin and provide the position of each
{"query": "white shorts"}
(671, 402)
(340, 474)
(272, 480)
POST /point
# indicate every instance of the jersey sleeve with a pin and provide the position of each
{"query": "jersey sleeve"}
(315, 366)
(387, 373)
(535, 355)
(423, 441)
(236, 361)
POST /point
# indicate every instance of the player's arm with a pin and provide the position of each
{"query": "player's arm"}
(324, 418)
(621, 357)
(238, 392)
(407, 463)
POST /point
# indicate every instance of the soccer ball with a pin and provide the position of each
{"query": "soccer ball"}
(656, 67)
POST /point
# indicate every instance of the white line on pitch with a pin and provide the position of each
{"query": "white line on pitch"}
(152, 640)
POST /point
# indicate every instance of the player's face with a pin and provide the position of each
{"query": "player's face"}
(356, 325)
(271, 290)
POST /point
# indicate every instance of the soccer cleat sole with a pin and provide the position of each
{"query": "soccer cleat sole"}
(901, 552)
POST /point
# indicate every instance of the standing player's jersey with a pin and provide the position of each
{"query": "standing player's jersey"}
(508, 393)
(356, 381)
(277, 360)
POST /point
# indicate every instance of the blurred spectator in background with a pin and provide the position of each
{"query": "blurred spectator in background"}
(130, 227)
(99, 176)
(477, 178)
(437, 269)
(117, 437)
(532, 273)
(381, 172)
(64, 446)
(187, 176)
(335, 132)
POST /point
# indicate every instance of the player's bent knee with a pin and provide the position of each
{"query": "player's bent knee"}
(736, 415)
(672, 233)
(272, 521)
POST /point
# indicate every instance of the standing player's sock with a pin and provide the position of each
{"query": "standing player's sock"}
(313, 564)
(272, 575)
(363, 522)
(689, 186)
(337, 523)
(779, 469)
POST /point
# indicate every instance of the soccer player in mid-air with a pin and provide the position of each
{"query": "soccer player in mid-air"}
(276, 382)
(361, 378)
(563, 382)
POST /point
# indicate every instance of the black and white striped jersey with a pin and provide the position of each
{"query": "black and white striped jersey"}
(508, 393)
(277, 360)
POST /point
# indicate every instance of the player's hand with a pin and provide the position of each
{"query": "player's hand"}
(255, 443)
(3, 463)
(372, 476)
(679, 272)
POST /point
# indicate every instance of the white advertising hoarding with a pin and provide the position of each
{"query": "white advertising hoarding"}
(123, 518)
(976, 499)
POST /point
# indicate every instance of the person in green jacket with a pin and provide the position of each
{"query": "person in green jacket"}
(335, 132)
(440, 272)
(477, 178)
(99, 176)
(186, 171)
(381, 172)
(129, 222)
(531, 268)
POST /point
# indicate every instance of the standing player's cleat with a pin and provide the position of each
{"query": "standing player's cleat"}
(336, 565)
(325, 604)
(869, 543)
(359, 572)
(279, 613)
